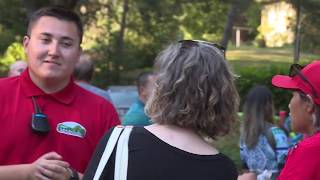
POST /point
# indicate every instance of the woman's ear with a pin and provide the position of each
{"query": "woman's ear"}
(310, 104)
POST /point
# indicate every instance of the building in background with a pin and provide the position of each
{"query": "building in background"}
(277, 24)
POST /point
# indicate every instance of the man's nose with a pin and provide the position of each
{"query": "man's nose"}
(54, 49)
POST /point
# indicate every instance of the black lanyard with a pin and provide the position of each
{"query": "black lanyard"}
(39, 123)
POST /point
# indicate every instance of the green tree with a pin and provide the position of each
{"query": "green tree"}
(13, 53)
(12, 23)
(149, 26)
(33, 5)
(309, 26)
(124, 35)
(237, 8)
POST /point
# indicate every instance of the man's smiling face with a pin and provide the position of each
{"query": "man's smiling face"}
(52, 49)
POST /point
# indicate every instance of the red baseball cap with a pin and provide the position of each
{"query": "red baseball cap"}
(311, 73)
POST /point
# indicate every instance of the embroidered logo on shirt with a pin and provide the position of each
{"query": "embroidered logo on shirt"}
(71, 128)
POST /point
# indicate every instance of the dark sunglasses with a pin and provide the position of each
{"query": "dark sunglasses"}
(295, 69)
(191, 43)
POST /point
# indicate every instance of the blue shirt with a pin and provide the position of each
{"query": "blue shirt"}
(95, 90)
(136, 115)
(263, 156)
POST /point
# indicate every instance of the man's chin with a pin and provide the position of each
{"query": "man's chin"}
(54, 77)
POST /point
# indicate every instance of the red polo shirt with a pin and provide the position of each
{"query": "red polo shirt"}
(78, 119)
(303, 162)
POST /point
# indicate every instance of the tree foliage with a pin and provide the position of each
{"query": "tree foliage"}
(236, 9)
(125, 35)
(12, 23)
(13, 53)
(150, 25)
(310, 24)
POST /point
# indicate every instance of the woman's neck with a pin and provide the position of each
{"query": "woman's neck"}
(182, 138)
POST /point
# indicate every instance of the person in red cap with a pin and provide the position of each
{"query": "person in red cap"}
(303, 161)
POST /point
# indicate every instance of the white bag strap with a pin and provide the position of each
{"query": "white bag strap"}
(107, 151)
(122, 154)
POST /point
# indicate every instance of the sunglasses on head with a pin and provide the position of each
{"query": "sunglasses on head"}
(295, 69)
(197, 42)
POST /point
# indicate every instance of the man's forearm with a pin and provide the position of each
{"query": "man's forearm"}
(15, 172)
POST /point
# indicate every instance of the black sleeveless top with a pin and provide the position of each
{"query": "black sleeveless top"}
(153, 159)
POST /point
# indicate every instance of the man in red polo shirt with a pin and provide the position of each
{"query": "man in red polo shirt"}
(49, 125)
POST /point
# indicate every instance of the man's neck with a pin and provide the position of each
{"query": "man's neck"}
(49, 86)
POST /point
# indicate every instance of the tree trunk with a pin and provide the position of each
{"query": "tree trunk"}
(237, 8)
(228, 28)
(120, 50)
(109, 60)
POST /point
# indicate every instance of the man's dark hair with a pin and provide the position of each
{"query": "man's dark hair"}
(59, 13)
(143, 79)
(84, 68)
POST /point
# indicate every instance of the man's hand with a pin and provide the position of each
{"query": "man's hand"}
(50, 166)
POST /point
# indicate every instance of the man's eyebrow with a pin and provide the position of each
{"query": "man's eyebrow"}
(46, 34)
(63, 38)
(66, 38)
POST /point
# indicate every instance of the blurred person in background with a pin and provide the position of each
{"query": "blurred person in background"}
(17, 68)
(136, 114)
(294, 137)
(263, 145)
(83, 73)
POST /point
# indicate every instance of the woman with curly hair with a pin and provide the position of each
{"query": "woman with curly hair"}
(194, 97)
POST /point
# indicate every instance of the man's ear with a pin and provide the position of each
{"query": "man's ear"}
(143, 94)
(26, 40)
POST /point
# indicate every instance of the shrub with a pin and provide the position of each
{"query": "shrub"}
(13, 53)
(262, 73)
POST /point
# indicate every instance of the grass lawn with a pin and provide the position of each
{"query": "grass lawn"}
(252, 56)
(255, 54)
(229, 145)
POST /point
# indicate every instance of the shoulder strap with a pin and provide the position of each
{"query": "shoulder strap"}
(122, 153)
(108, 150)
(271, 139)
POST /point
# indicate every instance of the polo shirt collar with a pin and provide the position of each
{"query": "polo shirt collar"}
(66, 95)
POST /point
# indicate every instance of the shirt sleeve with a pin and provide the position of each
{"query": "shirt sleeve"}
(302, 163)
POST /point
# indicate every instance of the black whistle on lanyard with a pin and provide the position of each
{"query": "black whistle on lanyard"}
(39, 123)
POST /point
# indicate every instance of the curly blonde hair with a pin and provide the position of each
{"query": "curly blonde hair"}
(194, 89)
